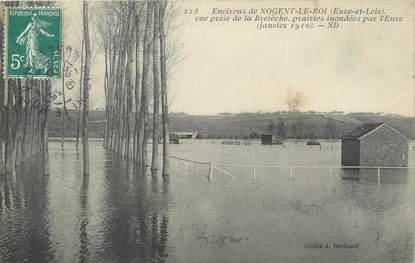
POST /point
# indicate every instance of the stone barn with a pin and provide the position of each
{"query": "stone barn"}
(270, 139)
(375, 144)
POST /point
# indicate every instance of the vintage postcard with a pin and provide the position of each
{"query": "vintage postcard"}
(207, 131)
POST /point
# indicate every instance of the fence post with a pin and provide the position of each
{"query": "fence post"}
(291, 173)
(195, 169)
(253, 174)
(330, 177)
(378, 175)
(210, 172)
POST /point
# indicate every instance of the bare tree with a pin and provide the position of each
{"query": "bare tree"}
(85, 108)
(137, 128)
(164, 94)
(65, 111)
(45, 89)
(144, 109)
(156, 87)
(2, 88)
(78, 114)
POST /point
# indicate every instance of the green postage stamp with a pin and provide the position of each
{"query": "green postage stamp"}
(33, 42)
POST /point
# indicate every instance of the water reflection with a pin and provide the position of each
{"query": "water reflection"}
(382, 176)
(83, 215)
(381, 199)
(114, 215)
(136, 215)
(119, 214)
(25, 217)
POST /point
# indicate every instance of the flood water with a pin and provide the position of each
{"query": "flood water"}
(119, 215)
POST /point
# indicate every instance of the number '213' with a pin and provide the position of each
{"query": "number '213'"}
(192, 11)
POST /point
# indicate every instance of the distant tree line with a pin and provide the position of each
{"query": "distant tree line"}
(285, 129)
(252, 125)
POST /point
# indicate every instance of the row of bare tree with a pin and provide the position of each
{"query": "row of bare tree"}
(133, 38)
(24, 116)
(24, 108)
(25, 105)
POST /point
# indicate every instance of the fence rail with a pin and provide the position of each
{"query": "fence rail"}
(213, 166)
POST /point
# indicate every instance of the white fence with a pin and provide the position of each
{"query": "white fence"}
(216, 166)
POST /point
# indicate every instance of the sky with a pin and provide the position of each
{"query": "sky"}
(238, 68)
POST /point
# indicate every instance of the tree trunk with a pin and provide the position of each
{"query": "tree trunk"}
(129, 86)
(137, 128)
(156, 89)
(106, 96)
(119, 92)
(18, 94)
(164, 97)
(112, 93)
(10, 132)
(126, 83)
(145, 84)
(64, 102)
(85, 109)
(2, 102)
(78, 117)
(46, 89)
(24, 151)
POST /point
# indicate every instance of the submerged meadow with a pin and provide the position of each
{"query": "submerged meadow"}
(116, 214)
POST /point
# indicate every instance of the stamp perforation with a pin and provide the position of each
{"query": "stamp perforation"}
(6, 40)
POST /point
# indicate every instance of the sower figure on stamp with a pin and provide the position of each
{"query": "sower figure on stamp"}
(35, 60)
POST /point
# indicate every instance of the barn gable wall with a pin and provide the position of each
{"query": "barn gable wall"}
(383, 147)
(350, 152)
(266, 139)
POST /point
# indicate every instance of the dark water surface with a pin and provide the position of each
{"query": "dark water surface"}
(118, 215)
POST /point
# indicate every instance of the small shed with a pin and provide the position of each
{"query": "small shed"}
(375, 144)
(173, 138)
(313, 142)
(270, 139)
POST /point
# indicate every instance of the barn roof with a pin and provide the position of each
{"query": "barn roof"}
(272, 134)
(362, 130)
(367, 128)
